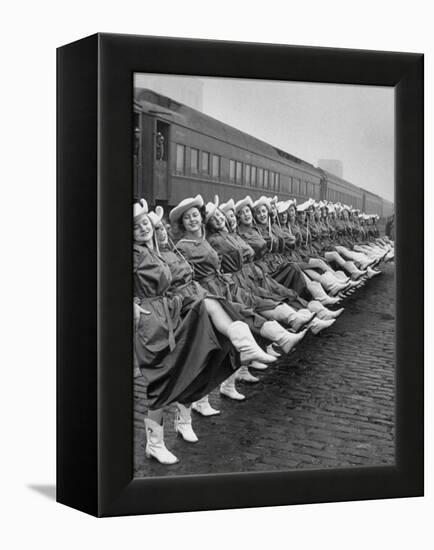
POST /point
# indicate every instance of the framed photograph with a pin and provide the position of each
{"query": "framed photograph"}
(240, 275)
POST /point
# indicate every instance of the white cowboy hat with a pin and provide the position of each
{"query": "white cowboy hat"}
(139, 209)
(282, 206)
(262, 201)
(247, 201)
(225, 206)
(156, 216)
(211, 208)
(305, 205)
(183, 206)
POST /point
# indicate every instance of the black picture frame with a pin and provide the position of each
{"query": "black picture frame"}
(94, 266)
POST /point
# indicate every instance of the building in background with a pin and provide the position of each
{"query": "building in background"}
(332, 165)
(188, 90)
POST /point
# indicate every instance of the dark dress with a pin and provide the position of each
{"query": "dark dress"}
(266, 246)
(180, 354)
(237, 257)
(206, 271)
(236, 261)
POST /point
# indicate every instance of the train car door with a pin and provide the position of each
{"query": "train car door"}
(146, 172)
(137, 156)
(161, 164)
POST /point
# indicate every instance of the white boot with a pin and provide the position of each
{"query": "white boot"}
(323, 312)
(204, 408)
(258, 365)
(243, 375)
(277, 334)
(242, 339)
(284, 314)
(320, 294)
(329, 301)
(155, 446)
(352, 269)
(329, 315)
(271, 350)
(342, 276)
(372, 272)
(318, 325)
(331, 284)
(228, 389)
(302, 319)
(183, 423)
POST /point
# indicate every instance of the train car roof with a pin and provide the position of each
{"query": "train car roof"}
(339, 180)
(173, 111)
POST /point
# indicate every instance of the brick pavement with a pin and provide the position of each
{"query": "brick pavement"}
(329, 404)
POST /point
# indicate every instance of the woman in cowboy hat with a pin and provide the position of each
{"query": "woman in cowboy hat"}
(182, 345)
(189, 216)
(355, 262)
(221, 310)
(261, 240)
(237, 259)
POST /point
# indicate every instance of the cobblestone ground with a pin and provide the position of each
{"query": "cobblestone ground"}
(329, 404)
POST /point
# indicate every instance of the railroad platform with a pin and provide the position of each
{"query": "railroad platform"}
(330, 403)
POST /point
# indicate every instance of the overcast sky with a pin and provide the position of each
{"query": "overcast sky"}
(354, 124)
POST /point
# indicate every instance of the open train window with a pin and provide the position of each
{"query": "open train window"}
(161, 141)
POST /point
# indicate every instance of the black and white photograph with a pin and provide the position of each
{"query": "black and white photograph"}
(217, 234)
(263, 275)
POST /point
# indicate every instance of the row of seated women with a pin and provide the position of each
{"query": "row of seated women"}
(228, 287)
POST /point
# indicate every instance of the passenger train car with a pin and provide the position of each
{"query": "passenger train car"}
(180, 152)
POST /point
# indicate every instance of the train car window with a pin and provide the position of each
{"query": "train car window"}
(265, 179)
(271, 181)
(239, 172)
(277, 183)
(232, 170)
(302, 188)
(161, 140)
(180, 159)
(296, 186)
(247, 174)
(253, 176)
(205, 163)
(260, 177)
(194, 161)
(290, 187)
(215, 167)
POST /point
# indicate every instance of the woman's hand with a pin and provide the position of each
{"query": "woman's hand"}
(138, 310)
